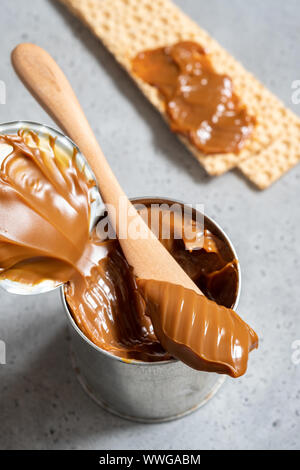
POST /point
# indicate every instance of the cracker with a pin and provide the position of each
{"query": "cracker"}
(127, 27)
(282, 155)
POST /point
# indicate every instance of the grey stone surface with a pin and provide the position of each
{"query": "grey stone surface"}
(41, 403)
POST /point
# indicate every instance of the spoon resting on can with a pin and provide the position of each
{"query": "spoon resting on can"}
(191, 327)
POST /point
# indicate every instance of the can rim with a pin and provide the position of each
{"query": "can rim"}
(15, 126)
(20, 122)
(39, 126)
(134, 361)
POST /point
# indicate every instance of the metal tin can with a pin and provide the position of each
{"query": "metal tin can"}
(143, 391)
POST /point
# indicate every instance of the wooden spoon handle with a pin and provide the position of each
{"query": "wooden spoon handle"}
(48, 84)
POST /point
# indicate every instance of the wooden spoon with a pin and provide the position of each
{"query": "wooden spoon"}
(48, 84)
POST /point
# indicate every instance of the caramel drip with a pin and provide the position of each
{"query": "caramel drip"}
(109, 309)
(196, 330)
(199, 102)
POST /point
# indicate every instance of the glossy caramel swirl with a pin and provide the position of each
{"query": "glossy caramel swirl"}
(44, 211)
(109, 309)
(199, 102)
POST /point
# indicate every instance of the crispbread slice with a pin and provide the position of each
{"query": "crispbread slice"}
(127, 27)
(283, 154)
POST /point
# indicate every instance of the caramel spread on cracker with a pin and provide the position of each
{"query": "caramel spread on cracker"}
(45, 234)
(199, 102)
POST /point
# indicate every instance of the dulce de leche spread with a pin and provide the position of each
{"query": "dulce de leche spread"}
(44, 234)
(44, 211)
(199, 102)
